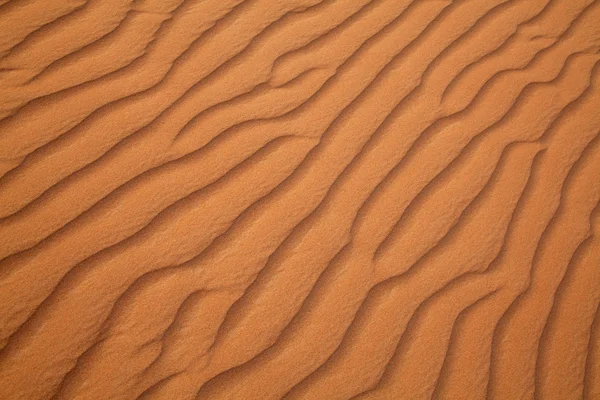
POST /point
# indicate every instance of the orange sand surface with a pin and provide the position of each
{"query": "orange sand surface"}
(299, 199)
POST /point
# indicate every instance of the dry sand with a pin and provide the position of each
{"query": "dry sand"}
(300, 199)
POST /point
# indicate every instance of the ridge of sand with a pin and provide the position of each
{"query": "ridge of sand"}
(300, 199)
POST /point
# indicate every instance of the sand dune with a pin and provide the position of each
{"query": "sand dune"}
(300, 199)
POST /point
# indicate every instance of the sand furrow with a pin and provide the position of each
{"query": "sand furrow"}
(591, 388)
(427, 266)
(344, 348)
(299, 199)
(99, 186)
(557, 332)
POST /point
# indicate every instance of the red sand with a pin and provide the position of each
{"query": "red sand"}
(300, 199)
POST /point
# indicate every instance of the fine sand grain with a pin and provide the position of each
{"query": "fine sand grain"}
(299, 199)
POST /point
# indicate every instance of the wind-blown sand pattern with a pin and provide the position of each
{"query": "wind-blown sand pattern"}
(299, 199)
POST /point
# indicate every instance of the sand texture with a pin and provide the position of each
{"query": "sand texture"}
(299, 199)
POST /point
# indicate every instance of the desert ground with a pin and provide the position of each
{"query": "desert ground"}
(299, 199)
